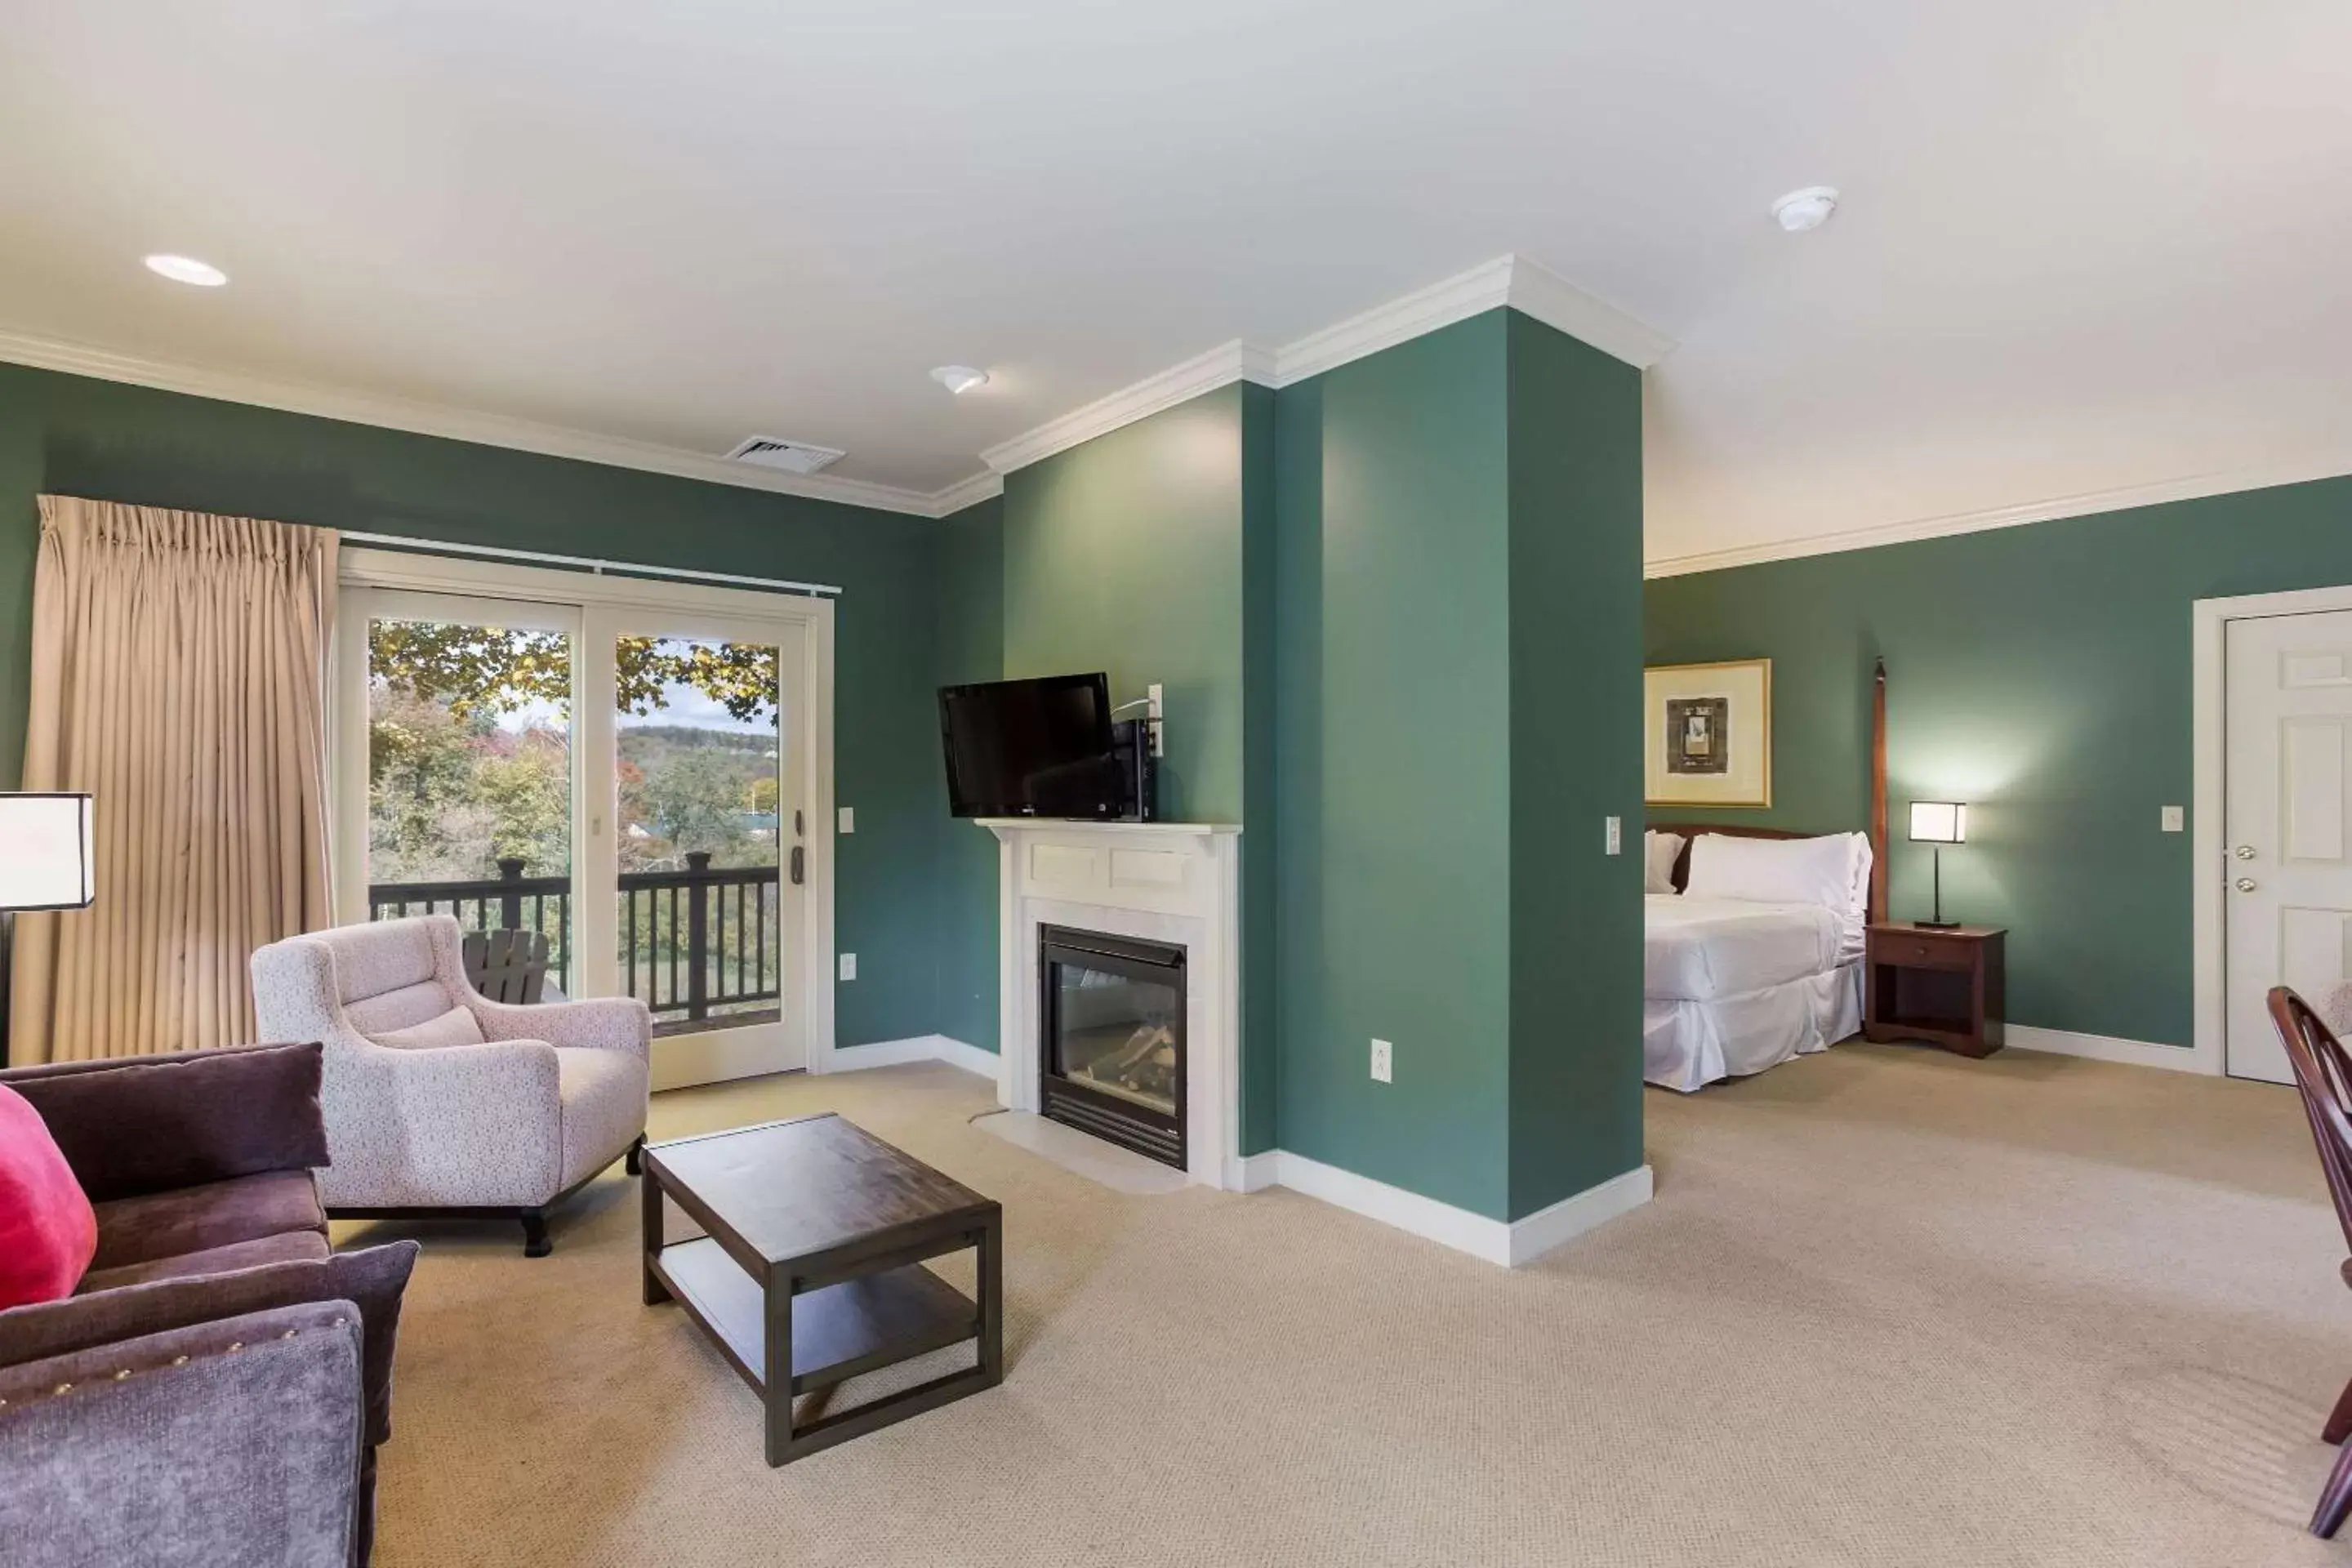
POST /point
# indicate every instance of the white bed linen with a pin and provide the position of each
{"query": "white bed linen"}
(1697, 949)
(1687, 1045)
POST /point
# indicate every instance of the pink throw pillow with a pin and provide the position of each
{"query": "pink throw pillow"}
(48, 1231)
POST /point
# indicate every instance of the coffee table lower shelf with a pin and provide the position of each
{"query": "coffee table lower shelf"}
(838, 1332)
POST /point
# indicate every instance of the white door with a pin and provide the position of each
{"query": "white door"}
(2288, 826)
(708, 789)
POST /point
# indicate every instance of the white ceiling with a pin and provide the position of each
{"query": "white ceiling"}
(2086, 246)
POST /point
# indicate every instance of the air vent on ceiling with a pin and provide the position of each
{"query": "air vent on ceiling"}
(793, 456)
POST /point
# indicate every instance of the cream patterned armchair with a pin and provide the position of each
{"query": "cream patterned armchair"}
(441, 1102)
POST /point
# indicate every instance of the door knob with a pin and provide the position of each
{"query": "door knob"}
(2244, 852)
(2245, 884)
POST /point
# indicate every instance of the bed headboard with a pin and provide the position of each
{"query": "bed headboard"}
(1877, 907)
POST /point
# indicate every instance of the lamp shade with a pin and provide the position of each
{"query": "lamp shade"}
(45, 852)
(1939, 822)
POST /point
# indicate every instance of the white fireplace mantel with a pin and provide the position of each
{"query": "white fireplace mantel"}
(1176, 882)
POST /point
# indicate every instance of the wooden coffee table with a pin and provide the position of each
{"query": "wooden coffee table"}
(811, 1271)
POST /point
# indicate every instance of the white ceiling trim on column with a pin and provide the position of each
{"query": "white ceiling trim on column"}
(420, 418)
(1220, 366)
(1511, 280)
(2191, 487)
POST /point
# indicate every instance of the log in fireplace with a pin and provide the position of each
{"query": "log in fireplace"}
(1110, 1057)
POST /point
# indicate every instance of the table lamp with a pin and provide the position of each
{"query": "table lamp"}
(45, 852)
(1939, 822)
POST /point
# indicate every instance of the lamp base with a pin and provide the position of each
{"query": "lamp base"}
(1937, 925)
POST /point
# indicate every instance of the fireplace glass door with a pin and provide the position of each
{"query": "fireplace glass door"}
(1112, 1056)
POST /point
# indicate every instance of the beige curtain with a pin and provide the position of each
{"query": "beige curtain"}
(178, 676)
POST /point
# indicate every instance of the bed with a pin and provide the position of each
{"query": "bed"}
(1752, 944)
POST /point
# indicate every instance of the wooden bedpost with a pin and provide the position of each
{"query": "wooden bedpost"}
(1878, 910)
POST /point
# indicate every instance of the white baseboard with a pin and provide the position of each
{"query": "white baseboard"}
(2108, 1049)
(1539, 1231)
(972, 1059)
(915, 1049)
(1496, 1241)
(1253, 1173)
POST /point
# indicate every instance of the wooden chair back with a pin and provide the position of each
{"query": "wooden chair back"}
(2322, 1072)
(507, 965)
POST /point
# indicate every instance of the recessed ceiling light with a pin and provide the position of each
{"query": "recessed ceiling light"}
(960, 378)
(1809, 208)
(187, 270)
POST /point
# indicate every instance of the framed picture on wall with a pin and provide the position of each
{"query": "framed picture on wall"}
(1708, 733)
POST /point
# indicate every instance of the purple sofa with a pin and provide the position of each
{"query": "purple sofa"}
(216, 1388)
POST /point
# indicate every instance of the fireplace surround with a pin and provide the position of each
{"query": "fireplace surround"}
(1169, 885)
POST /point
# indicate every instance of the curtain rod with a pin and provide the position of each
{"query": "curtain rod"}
(588, 563)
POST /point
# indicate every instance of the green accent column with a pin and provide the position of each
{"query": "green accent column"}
(1392, 783)
(1576, 760)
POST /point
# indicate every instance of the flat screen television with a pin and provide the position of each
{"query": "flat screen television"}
(1031, 748)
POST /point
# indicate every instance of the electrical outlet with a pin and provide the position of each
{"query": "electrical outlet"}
(848, 814)
(1159, 727)
(2175, 819)
(849, 966)
(1616, 837)
(1381, 1060)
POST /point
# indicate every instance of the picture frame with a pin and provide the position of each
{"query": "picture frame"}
(1707, 733)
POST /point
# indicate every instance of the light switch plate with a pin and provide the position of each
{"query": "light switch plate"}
(1383, 1061)
(1616, 837)
(2175, 818)
(848, 816)
(849, 966)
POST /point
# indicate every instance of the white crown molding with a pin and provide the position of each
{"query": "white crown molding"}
(1512, 280)
(422, 418)
(2194, 487)
(1220, 366)
(967, 492)
(1456, 298)
(1539, 291)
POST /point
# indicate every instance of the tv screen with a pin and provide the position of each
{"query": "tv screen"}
(1030, 748)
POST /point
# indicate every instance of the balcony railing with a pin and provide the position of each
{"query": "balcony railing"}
(695, 944)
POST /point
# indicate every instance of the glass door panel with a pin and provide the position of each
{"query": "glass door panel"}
(703, 845)
(470, 765)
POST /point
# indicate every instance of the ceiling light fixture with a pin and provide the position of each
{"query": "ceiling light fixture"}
(1806, 210)
(187, 270)
(960, 378)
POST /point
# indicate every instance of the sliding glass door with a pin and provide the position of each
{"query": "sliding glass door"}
(636, 781)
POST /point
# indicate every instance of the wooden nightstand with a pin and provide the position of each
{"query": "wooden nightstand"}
(1941, 987)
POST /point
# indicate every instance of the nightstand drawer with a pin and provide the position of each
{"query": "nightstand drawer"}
(1922, 949)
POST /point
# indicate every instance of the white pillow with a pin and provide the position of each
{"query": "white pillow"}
(1832, 871)
(455, 1027)
(1658, 852)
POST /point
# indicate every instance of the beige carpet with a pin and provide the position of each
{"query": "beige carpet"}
(1889, 1307)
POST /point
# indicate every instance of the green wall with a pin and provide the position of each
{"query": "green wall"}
(71, 434)
(1125, 554)
(1576, 759)
(2040, 673)
(970, 648)
(1457, 623)
(1145, 552)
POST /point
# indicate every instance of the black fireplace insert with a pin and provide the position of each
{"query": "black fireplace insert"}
(1111, 1057)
